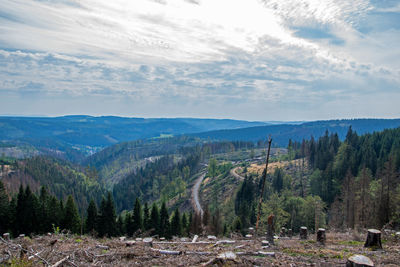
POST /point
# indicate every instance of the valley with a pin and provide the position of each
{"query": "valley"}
(175, 188)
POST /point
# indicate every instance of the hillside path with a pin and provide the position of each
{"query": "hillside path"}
(195, 194)
(235, 174)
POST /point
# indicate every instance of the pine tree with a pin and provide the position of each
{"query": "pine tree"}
(43, 212)
(164, 221)
(206, 216)
(102, 219)
(120, 225)
(176, 227)
(5, 215)
(92, 217)
(107, 218)
(155, 219)
(184, 224)
(146, 217)
(129, 224)
(72, 220)
(137, 216)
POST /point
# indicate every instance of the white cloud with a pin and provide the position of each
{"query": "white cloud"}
(187, 53)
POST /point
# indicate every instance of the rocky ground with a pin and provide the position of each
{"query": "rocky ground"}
(71, 250)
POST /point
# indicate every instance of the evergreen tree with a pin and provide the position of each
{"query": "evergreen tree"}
(72, 220)
(176, 227)
(5, 215)
(164, 222)
(155, 219)
(184, 224)
(107, 217)
(137, 216)
(277, 180)
(91, 218)
(43, 213)
(129, 224)
(206, 216)
(120, 225)
(146, 217)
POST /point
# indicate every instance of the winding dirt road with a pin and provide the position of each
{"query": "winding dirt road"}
(235, 174)
(195, 194)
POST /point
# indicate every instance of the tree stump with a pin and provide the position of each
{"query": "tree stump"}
(283, 231)
(321, 236)
(373, 239)
(359, 261)
(6, 236)
(270, 229)
(290, 233)
(303, 232)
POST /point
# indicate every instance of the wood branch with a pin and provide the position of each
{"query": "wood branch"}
(25, 251)
(58, 263)
(256, 253)
(199, 253)
(167, 252)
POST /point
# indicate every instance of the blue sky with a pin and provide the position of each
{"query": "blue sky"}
(249, 59)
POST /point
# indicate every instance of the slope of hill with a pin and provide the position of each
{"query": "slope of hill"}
(282, 133)
(74, 137)
(60, 177)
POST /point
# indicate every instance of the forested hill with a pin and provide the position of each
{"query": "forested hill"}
(282, 133)
(107, 130)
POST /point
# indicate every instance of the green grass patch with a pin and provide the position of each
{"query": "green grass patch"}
(351, 243)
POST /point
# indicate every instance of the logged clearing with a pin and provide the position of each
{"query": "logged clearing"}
(71, 250)
(258, 169)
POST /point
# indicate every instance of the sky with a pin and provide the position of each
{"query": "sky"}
(249, 59)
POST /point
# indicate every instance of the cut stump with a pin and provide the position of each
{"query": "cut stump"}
(303, 232)
(373, 239)
(321, 236)
(359, 261)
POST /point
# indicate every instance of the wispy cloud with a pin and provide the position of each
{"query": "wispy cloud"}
(199, 58)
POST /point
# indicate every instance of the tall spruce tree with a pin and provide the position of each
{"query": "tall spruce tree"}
(5, 215)
(146, 217)
(137, 216)
(107, 218)
(92, 217)
(155, 219)
(176, 227)
(164, 221)
(72, 219)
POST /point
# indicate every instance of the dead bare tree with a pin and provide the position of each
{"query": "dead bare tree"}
(264, 177)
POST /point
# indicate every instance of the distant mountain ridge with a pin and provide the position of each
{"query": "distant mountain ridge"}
(281, 133)
(81, 134)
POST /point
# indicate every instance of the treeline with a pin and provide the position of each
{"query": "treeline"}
(138, 221)
(28, 213)
(359, 178)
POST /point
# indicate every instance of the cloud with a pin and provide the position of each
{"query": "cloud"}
(199, 58)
